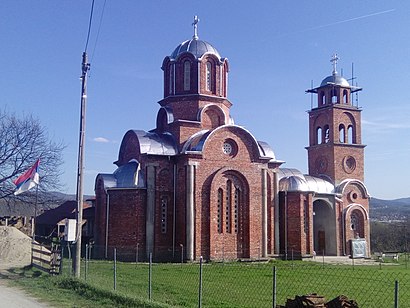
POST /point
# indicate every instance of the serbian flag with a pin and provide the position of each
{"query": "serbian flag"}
(28, 180)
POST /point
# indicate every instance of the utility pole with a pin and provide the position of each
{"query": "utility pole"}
(80, 197)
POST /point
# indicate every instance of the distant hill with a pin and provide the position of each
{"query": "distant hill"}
(389, 210)
(27, 209)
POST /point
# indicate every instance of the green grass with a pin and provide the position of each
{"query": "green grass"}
(64, 291)
(223, 284)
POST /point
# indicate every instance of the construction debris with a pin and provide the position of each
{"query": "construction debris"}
(316, 301)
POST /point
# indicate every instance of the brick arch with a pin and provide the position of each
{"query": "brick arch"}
(211, 116)
(229, 215)
(356, 224)
(129, 149)
(165, 116)
(321, 122)
(347, 186)
(250, 149)
(350, 123)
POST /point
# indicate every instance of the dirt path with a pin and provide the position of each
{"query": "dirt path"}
(15, 252)
(15, 298)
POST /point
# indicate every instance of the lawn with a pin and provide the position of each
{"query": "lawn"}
(232, 284)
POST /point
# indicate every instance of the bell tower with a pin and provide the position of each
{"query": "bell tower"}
(195, 89)
(335, 146)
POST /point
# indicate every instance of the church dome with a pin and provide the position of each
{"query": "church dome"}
(335, 79)
(196, 47)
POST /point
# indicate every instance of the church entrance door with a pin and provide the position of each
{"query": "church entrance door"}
(324, 228)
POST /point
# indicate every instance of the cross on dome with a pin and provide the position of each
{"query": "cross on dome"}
(334, 63)
(195, 24)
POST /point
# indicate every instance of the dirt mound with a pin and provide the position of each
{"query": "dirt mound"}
(15, 248)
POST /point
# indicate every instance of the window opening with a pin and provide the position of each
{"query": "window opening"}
(164, 210)
(319, 135)
(228, 206)
(187, 76)
(208, 76)
(350, 138)
(354, 221)
(322, 98)
(334, 96)
(236, 208)
(327, 134)
(306, 217)
(220, 209)
(170, 79)
(342, 133)
(345, 97)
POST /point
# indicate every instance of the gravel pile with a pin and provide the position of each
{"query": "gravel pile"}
(15, 248)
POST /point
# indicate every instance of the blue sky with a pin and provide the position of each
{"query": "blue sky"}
(275, 49)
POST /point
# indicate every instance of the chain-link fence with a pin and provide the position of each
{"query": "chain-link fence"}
(241, 284)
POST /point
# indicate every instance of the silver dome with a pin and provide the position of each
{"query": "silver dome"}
(196, 47)
(335, 80)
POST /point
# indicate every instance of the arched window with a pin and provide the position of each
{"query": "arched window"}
(354, 221)
(220, 210)
(326, 134)
(342, 133)
(187, 75)
(319, 135)
(237, 200)
(171, 79)
(209, 76)
(334, 96)
(345, 97)
(350, 136)
(322, 98)
(228, 206)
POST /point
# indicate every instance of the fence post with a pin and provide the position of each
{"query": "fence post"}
(136, 253)
(115, 269)
(150, 277)
(182, 253)
(200, 283)
(292, 258)
(60, 270)
(323, 258)
(396, 294)
(41, 255)
(90, 246)
(85, 264)
(274, 288)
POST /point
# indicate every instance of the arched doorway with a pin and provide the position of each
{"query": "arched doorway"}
(230, 221)
(324, 228)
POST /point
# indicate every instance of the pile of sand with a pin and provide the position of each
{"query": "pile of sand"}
(15, 248)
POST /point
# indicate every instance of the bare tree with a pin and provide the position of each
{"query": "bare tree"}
(23, 140)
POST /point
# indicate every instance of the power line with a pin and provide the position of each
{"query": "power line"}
(98, 32)
(89, 26)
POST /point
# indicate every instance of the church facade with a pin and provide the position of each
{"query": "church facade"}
(200, 185)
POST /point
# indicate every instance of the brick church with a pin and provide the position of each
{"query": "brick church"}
(200, 185)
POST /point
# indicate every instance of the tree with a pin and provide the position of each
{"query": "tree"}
(23, 140)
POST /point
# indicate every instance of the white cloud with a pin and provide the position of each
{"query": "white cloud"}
(101, 139)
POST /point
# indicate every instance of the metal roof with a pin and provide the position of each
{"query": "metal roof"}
(128, 175)
(294, 180)
(335, 79)
(341, 187)
(156, 144)
(196, 47)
